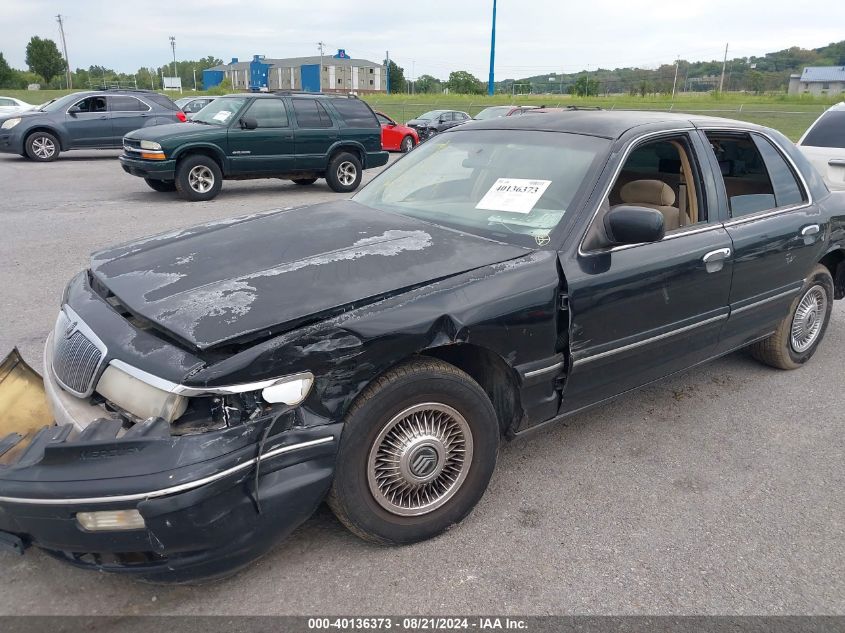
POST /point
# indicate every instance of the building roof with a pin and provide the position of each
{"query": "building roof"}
(823, 73)
(328, 60)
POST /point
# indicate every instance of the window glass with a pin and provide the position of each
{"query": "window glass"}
(311, 114)
(829, 131)
(92, 104)
(747, 183)
(269, 113)
(662, 175)
(354, 112)
(510, 185)
(384, 120)
(787, 189)
(126, 104)
(6, 102)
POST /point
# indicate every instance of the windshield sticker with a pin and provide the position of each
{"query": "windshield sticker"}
(515, 195)
(222, 116)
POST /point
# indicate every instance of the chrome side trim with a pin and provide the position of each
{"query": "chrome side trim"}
(757, 304)
(648, 341)
(163, 492)
(544, 370)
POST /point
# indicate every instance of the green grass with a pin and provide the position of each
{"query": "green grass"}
(792, 115)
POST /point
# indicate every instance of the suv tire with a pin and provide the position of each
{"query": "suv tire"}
(417, 451)
(161, 185)
(799, 334)
(344, 173)
(42, 146)
(198, 178)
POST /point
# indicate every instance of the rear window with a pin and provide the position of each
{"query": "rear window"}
(355, 113)
(829, 131)
(311, 114)
(161, 100)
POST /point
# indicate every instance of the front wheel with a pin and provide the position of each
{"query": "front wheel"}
(417, 452)
(198, 178)
(42, 146)
(407, 144)
(344, 173)
(160, 185)
(799, 334)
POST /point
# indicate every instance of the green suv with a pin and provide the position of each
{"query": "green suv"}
(300, 137)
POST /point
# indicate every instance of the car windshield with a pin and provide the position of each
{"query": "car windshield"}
(492, 113)
(431, 115)
(220, 111)
(509, 185)
(54, 105)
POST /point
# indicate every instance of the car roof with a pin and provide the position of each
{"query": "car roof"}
(610, 124)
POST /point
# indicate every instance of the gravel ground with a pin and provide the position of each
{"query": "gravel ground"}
(721, 490)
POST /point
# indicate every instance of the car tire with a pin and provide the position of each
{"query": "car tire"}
(304, 181)
(198, 178)
(448, 438)
(42, 146)
(799, 334)
(407, 144)
(344, 173)
(161, 185)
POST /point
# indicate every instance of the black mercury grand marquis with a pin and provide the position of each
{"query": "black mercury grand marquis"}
(212, 386)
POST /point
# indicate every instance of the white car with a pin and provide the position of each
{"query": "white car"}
(10, 105)
(824, 145)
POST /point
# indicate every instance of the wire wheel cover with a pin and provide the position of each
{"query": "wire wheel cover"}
(808, 320)
(420, 459)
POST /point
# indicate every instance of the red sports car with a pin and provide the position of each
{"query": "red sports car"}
(396, 137)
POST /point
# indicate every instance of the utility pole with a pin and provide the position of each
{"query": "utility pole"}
(387, 78)
(64, 49)
(320, 45)
(413, 76)
(173, 46)
(491, 84)
(195, 78)
(675, 80)
(724, 63)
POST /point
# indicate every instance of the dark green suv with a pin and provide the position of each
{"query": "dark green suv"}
(300, 137)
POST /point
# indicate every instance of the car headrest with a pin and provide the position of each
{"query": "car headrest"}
(654, 192)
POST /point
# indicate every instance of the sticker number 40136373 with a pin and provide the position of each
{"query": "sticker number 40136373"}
(516, 195)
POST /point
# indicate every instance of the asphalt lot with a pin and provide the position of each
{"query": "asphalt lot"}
(721, 491)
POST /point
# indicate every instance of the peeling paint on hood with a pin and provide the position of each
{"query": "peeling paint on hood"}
(262, 273)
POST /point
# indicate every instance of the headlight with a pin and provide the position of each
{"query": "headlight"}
(138, 397)
(150, 145)
(8, 124)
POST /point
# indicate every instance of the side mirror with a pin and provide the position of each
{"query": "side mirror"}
(73, 110)
(630, 224)
(248, 123)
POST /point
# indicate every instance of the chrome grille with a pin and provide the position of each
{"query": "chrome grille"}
(77, 354)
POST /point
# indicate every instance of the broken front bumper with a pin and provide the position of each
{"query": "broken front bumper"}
(211, 502)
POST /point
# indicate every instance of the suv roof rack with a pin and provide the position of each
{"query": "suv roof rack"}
(304, 93)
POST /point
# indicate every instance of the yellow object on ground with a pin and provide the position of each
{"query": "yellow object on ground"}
(23, 403)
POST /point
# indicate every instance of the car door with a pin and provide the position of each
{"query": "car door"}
(824, 145)
(775, 230)
(315, 133)
(268, 148)
(88, 123)
(128, 113)
(640, 312)
(390, 137)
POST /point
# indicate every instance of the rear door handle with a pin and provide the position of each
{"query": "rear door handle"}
(836, 162)
(714, 261)
(810, 230)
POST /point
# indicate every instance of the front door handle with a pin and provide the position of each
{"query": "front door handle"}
(836, 162)
(714, 261)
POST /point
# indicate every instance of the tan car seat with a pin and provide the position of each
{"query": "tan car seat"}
(655, 194)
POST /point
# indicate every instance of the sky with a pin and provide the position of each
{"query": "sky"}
(426, 36)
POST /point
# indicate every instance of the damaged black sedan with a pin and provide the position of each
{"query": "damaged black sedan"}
(212, 386)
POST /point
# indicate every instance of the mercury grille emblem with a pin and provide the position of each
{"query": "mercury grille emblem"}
(71, 328)
(424, 462)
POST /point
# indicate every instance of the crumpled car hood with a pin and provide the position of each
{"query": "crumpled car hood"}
(262, 274)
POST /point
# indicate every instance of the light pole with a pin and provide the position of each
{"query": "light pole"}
(320, 45)
(195, 78)
(173, 46)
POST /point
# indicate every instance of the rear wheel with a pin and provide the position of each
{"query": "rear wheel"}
(407, 144)
(42, 146)
(161, 185)
(799, 334)
(198, 177)
(417, 452)
(344, 173)
(304, 181)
